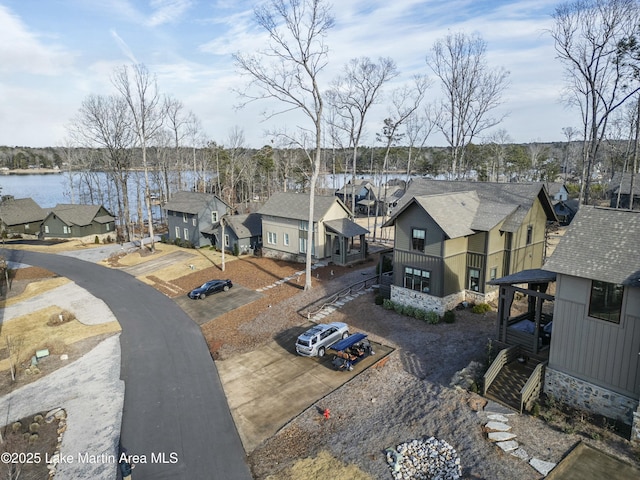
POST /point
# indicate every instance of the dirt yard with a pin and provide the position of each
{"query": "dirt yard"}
(409, 396)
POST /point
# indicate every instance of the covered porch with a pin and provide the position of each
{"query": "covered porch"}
(531, 330)
(345, 241)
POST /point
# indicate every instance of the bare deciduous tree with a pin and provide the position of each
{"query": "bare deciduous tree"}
(471, 91)
(104, 122)
(288, 69)
(590, 38)
(352, 95)
(141, 95)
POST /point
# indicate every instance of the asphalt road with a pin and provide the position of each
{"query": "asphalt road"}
(174, 405)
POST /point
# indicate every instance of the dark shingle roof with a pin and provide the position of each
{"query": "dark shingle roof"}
(81, 215)
(190, 202)
(499, 201)
(600, 244)
(16, 211)
(534, 275)
(346, 227)
(245, 226)
(296, 206)
(622, 182)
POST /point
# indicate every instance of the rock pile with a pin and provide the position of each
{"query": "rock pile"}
(424, 459)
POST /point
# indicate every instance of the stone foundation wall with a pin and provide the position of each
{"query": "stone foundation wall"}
(439, 305)
(425, 301)
(593, 398)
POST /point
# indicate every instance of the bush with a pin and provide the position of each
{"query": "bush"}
(236, 249)
(410, 311)
(398, 308)
(421, 314)
(432, 318)
(481, 308)
(379, 299)
(96, 240)
(387, 304)
(449, 316)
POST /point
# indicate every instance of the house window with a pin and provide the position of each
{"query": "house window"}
(226, 240)
(303, 225)
(214, 217)
(493, 273)
(108, 227)
(272, 238)
(285, 239)
(606, 301)
(46, 229)
(418, 236)
(194, 221)
(66, 229)
(184, 217)
(529, 234)
(474, 279)
(417, 279)
(186, 234)
(177, 232)
(26, 226)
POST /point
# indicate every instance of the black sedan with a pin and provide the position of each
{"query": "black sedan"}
(212, 286)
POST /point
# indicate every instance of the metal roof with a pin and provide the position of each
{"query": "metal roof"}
(348, 342)
(600, 244)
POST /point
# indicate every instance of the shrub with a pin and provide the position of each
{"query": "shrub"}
(398, 308)
(387, 304)
(535, 409)
(410, 311)
(34, 427)
(421, 314)
(16, 427)
(236, 249)
(449, 316)
(96, 240)
(432, 317)
(379, 299)
(481, 308)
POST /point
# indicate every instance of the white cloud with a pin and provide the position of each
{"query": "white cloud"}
(167, 11)
(24, 51)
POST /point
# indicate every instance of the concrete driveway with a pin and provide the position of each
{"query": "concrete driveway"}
(269, 386)
(202, 311)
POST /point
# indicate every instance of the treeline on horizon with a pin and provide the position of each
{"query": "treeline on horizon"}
(535, 161)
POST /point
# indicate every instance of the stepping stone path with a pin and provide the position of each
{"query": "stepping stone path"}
(499, 433)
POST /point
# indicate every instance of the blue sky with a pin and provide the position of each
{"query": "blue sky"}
(55, 53)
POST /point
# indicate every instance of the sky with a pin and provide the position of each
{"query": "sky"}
(55, 53)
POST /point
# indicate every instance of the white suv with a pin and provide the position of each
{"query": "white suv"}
(316, 340)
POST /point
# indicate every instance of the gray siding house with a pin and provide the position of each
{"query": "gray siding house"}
(194, 217)
(452, 238)
(594, 360)
(79, 221)
(245, 231)
(20, 216)
(286, 232)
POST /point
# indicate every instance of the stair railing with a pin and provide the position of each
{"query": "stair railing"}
(505, 356)
(533, 388)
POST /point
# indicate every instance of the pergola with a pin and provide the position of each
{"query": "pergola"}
(527, 329)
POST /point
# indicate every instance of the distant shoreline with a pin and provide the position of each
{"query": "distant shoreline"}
(30, 171)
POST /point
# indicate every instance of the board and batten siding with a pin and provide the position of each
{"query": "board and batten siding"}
(415, 217)
(600, 352)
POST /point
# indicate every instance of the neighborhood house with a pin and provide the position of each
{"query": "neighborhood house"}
(452, 238)
(194, 218)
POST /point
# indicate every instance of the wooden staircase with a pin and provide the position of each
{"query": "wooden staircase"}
(513, 383)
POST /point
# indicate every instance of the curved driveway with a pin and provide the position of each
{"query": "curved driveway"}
(174, 403)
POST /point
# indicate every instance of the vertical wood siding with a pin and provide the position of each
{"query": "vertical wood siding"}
(595, 350)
